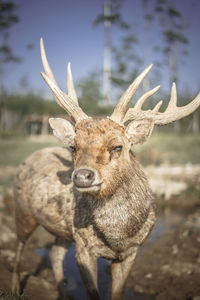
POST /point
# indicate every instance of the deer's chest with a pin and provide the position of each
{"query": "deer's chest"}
(107, 231)
(115, 226)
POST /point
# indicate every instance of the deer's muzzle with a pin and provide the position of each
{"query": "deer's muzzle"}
(83, 178)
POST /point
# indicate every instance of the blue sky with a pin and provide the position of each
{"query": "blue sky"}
(66, 27)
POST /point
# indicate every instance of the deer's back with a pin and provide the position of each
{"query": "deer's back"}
(43, 189)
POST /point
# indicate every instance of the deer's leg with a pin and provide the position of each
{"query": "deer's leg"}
(57, 255)
(25, 225)
(87, 265)
(16, 270)
(119, 273)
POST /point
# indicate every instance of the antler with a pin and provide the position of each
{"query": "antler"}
(67, 102)
(171, 114)
(121, 108)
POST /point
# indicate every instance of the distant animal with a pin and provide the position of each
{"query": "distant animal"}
(92, 192)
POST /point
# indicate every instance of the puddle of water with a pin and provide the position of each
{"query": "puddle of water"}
(71, 272)
(166, 221)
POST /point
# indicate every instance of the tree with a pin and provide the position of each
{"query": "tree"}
(8, 19)
(89, 93)
(107, 52)
(147, 17)
(127, 60)
(109, 17)
(173, 25)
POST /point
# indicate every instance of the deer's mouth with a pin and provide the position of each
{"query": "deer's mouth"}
(92, 188)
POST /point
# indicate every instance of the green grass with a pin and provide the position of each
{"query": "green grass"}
(14, 151)
(4, 295)
(172, 148)
(160, 148)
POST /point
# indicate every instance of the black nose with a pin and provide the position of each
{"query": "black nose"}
(83, 177)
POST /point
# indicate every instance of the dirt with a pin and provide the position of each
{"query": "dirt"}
(167, 268)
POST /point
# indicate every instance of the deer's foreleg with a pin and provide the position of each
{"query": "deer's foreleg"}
(57, 255)
(119, 273)
(87, 265)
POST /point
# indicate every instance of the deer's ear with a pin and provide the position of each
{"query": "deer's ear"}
(139, 131)
(63, 130)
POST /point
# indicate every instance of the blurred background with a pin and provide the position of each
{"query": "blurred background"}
(109, 43)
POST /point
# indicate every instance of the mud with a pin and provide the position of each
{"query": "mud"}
(166, 268)
(169, 268)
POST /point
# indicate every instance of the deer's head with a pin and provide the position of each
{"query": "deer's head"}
(101, 147)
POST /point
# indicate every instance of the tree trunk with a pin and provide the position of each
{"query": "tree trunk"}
(107, 54)
(45, 125)
(146, 46)
(195, 122)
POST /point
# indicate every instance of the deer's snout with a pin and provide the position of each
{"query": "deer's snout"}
(83, 178)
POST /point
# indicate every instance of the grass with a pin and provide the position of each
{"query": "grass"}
(10, 296)
(14, 150)
(160, 148)
(171, 148)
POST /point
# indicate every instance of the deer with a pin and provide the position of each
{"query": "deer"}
(92, 192)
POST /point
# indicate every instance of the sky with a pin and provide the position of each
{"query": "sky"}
(69, 35)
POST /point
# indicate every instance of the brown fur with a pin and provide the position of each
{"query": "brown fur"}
(111, 221)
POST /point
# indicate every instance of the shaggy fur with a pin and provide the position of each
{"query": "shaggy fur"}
(110, 220)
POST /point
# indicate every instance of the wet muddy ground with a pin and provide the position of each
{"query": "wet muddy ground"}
(167, 266)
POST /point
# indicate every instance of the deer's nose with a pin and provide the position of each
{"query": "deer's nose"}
(83, 178)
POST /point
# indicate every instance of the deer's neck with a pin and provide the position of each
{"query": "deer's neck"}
(133, 197)
(130, 202)
(118, 218)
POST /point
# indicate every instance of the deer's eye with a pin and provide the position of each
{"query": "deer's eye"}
(72, 149)
(116, 149)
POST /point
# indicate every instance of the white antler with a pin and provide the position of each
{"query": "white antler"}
(171, 114)
(122, 114)
(121, 108)
(67, 102)
(70, 84)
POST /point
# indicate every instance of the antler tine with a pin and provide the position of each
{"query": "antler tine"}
(173, 113)
(45, 63)
(121, 108)
(70, 84)
(141, 101)
(74, 110)
(157, 107)
(47, 68)
(173, 97)
(136, 111)
(65, 101)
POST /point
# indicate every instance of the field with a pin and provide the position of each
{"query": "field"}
(168, 267)
(14, 150)
(161, 148)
